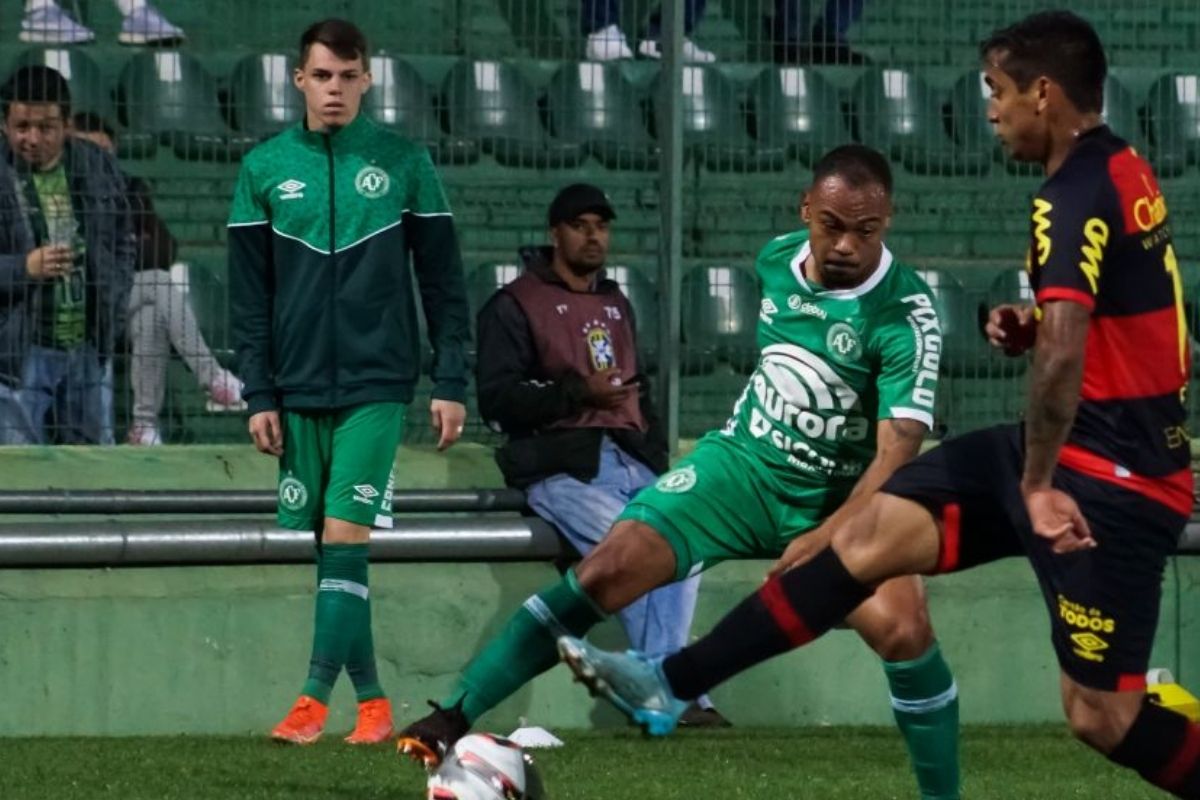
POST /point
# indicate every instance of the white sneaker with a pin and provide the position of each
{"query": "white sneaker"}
(147, 26)
(142, 434)
(607, 44)
(51, 25)
(692, 53)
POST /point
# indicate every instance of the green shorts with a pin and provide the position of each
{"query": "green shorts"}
(339, 464)
(720, 503)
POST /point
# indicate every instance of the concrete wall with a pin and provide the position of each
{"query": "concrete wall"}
(224, 649)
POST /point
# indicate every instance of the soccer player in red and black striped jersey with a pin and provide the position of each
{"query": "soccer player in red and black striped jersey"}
(1094, 487)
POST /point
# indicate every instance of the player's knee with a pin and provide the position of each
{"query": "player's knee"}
(905, 637)
(1099, 719)
(858, 534)
(624, 566)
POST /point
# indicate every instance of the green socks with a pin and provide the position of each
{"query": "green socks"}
(925, 703)
(526, 647)
(342, 630)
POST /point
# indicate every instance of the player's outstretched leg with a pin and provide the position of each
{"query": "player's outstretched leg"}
(631, 560)
(631, 681)
(1160, 745)
(895, 624)
(803, 603)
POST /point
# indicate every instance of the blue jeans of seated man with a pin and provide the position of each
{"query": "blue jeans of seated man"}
(657, 623)
(67, 392)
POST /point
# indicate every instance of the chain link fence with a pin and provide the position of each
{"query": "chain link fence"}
(516, 98)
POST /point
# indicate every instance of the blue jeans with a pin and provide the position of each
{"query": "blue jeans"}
(597, 14)
(793, 19)
(65, 391)
(657, 623)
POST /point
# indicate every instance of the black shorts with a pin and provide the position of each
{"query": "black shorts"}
(1103, 602)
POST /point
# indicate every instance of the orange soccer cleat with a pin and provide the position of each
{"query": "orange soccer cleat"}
(374, 724)
(304, 723)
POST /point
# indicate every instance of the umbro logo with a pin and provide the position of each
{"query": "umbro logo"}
(291, 189)
(365, 493)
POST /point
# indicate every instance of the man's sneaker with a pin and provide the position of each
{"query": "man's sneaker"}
(607, 44)
(142, 434)
(631, 681)
(429, 739)
(49, 24)
(304, 723)
(698, 716)
(147, 26)
(692, 52)
(225, 393)
(374, 724)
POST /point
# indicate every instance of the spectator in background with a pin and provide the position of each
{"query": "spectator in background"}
(606, 42)
(45, 22)
(796, 41)
(160, 312)
(66, 261)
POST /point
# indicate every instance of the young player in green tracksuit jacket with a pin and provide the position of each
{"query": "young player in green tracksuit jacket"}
(325, 217)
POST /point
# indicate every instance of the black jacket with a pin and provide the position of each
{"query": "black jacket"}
(511, 400)
(101, 205)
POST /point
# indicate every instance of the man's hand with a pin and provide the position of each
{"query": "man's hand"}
(1056, 516)
(1012, 328)
(605, 390)
(50, 261)
(267, 432)
(447, 418)
(801, 550)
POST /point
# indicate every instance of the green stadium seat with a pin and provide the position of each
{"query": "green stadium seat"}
(965, 353)
(485, 279)
(491, 102)
(798, 110)
(720, 317)
(715, 129)
(594, 105)
(1121, 114)
(89, 93)
(898, 114)
(400, 99)
(263, 100)
(170, 94)
(643, 296)
(1173, 113)
(88, 89)
(968, 116)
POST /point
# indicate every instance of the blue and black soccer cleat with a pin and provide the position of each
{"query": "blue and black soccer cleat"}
(630, 681)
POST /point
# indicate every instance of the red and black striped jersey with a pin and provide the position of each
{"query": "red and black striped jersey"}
(1102, 238)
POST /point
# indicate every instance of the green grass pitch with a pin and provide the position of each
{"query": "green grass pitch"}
(1000, 763)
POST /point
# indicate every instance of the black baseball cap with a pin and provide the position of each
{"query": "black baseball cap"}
(576, 200)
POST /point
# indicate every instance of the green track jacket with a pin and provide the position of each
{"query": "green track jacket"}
(320, 237)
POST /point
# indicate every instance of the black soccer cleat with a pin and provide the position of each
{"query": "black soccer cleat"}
(429, 739)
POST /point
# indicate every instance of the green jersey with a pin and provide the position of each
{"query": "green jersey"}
(832, 364)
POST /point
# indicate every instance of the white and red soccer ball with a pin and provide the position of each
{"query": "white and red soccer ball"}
(483, 766)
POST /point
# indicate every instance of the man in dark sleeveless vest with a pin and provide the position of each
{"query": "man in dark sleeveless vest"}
(558, 372)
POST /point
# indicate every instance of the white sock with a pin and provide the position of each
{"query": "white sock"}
(129, 6)
(35, 5)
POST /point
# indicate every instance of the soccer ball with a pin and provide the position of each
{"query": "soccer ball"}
(483, 766)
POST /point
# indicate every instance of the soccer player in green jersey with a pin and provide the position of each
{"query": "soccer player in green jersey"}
(325, 218)
(843, 394)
